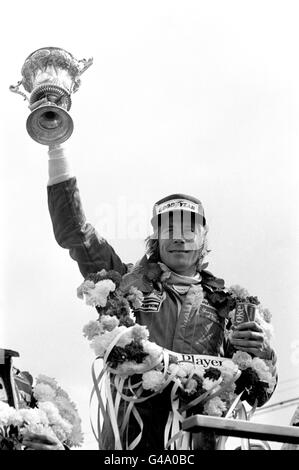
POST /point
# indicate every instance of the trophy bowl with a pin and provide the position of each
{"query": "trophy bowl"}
(50, 75)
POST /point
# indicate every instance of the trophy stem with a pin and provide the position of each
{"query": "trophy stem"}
(52, 93)
(49, 120)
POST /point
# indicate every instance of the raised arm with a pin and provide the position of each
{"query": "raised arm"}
(71, 230)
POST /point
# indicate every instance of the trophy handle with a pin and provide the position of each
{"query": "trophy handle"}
(15, 89)
(86, 63)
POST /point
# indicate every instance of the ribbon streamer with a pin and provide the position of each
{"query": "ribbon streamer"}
(117, 396)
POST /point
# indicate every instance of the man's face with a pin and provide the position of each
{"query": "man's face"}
(179, 244)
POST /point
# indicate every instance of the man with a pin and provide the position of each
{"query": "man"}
(186, 312)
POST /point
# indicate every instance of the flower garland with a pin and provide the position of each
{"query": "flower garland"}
(126, 351)
(52, 414)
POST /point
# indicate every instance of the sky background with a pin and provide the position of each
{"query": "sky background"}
(183, 96)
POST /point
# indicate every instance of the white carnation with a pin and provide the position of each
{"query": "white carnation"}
(98, 296)
(51, 411)
(191, 386)
(208, 384)
(152, 349)
(200, 371)
(37, 429)
(109, 322)
(131, 368)
(152, 380)
(181, 372)
(9, 415)
(188, 368)
(60, 433)
(55, 420)
(215, 407)
(41, 378)
(140, 333)
(92, 329)
(34, 416)
(101, 343)
(44, 392)
(229, 370)
(242, 359)
(135, 297)
(125, 339)
(262, 371)
(173, 368)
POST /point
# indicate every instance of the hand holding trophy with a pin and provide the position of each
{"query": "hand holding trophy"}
(50, 75)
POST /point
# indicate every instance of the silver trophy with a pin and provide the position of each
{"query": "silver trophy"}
(50, 75)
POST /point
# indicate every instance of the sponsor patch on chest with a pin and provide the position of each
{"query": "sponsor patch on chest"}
(206, 308)
(152, 302)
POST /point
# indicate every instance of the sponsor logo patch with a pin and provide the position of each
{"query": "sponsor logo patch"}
(207, 308)
(152, 302)
(204, 360)
(178, 204)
